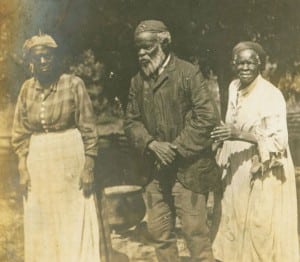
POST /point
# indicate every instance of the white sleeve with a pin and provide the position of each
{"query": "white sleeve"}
(272, 135)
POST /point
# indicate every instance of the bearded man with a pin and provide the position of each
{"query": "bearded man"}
(168, 120)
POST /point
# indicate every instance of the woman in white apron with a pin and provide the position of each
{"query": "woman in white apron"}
(259, 207)
(54, 136)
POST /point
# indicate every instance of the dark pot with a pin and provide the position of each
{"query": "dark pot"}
(125, 206)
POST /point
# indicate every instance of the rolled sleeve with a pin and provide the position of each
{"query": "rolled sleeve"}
(272, 134)
(86, 120)
(20, 131)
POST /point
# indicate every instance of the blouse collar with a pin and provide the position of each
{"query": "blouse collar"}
(52, 87)
(245, 91)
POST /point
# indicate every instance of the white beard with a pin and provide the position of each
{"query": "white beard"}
(154, 63)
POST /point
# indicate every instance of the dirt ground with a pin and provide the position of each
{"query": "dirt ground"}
(129, 246)
(136, 247)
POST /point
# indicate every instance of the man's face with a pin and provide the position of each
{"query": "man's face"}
(147, 46)
(149, 51)
(247, 66)
(42, 59)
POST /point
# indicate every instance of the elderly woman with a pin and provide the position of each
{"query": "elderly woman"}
(54, 136)
(259, 213)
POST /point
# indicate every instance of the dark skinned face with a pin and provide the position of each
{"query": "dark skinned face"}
(147, 46)
(149, 51)
(42, 59)
(247, 66)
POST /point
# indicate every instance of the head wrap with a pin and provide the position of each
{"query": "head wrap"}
(154, 26)
(41, 39)
(250, 45)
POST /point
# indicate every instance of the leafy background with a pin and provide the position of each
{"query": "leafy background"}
(204, 31)
(96, 42)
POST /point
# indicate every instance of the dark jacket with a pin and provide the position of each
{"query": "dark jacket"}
(177, 107)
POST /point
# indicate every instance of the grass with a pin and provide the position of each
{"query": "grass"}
(11, 230)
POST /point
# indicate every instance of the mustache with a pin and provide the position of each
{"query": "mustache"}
(144, 61)
(150, 65)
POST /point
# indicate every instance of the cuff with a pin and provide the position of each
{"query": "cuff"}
(22, 154)
(91, 154)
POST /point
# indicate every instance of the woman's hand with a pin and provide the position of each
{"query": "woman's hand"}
(24, 177)
(86, 182)
(224, 132)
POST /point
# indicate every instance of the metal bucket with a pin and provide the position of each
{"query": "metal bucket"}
(125, 206)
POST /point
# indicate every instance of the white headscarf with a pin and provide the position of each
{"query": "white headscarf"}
(41, 39)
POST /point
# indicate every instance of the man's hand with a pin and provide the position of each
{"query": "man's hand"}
(86, 181)
(164, 151)
(24, 177)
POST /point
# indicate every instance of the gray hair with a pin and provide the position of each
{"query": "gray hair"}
(164, 37)
(235, 57)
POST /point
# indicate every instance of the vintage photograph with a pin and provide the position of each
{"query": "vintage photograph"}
(149, 130)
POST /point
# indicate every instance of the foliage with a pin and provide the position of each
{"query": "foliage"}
(93, 72)
(202, 30)
(90, 70)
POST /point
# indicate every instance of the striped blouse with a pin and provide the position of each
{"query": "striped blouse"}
(64, 105)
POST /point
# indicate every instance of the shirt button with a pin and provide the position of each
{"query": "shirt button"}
(42, 109)
(43, 121)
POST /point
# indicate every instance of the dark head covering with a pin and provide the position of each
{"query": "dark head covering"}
(257, 48)
(154, 26)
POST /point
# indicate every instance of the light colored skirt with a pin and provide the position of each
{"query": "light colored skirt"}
(60, 224)
(259, 217)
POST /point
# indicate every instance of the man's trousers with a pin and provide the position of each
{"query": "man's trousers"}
(166, 198)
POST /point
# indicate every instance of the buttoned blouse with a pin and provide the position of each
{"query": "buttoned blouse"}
(65, 104)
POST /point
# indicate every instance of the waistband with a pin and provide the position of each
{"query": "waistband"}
(55, 132)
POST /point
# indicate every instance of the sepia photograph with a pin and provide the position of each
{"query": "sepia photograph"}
(149, 130)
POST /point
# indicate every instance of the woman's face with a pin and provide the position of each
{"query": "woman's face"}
(247, 65)
(42, 59)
